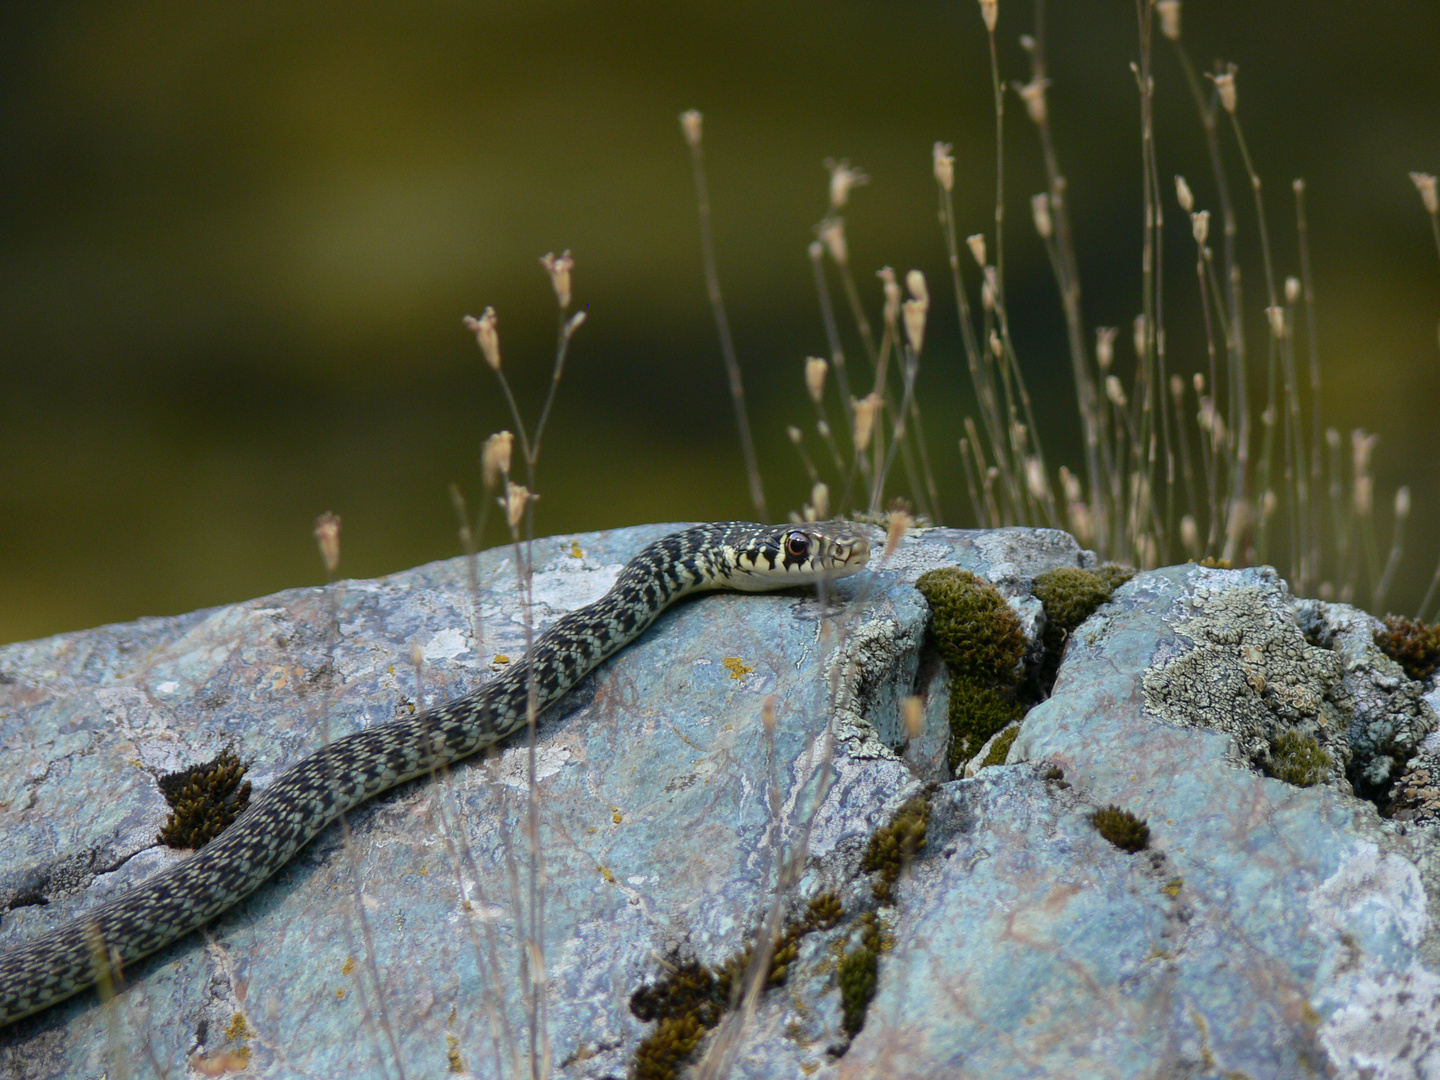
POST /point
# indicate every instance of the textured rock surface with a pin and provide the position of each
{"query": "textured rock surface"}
(660, 839)
(1268, 931)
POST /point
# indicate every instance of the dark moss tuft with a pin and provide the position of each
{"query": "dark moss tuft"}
(1000, 748)
(1121, 828)
(823, 912)
(203, 799)
(977, 632)
(1070, 596)
(976, 713)
(892, 846)
(1411, 644)
(1298, 759)
(859, 975)
(668, 1047)
(1115, 574)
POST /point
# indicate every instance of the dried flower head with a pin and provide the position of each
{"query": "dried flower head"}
(915, 323)
(1361, 447)
(485, 333)
(1040, 212)
(1139, 335)
(891, 288)
(1169, 18)
(976, 243)
(1105, 346)
(1070, 484)
(1225, 86)
(516, 496)
(944, 166)
(815, 369)
(495, 457)
(864, 410)
(989, 13)
(1033, 95)
(1115, 392)
(559, 271)
(327, 537)
(1276, 315)
(997, 347)
(1035, 478)
(915, 282)
(898, 521)
(1200, 226)
(1402, 503)
(987, 295)
(1425, 184)
(1198, 380)
(912, 713)
(820, 500)
(1292, 289)
(1182, 193)
(690, 125)
(832, 233)
(842, 179)
(1177, 389)
(795, 435)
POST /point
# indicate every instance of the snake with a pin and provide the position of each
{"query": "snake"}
(309, 795)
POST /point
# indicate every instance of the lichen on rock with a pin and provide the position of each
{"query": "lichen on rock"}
(1249, 671)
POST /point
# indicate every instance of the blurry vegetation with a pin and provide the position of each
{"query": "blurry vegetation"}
(239, 240)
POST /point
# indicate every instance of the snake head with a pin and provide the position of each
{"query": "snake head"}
(783, 556)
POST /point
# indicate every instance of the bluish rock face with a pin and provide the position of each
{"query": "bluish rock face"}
(745, 743)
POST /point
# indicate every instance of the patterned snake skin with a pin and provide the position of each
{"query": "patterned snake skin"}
(315, 791)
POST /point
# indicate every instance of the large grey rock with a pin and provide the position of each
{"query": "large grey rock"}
(659, 838)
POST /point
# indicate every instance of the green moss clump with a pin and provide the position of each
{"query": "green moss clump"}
(1000, 748)
(892, 846)
(660, 1055)
(693, 997)
(1411, 644)
(204, 800)
(859, 976)
(1211, 562)
(1115, 574)
(1070, 596)
(1298, 759)
(1121, 828)
(977, 632)
(976, 713)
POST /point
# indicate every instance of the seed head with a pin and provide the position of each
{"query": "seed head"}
(1070, 484)
(912, 711)
(1105, 346)
(815, 369)
(1040, 211)
(997, 347)
(1402, 503)
(899, 520)
(944, 166)
(1035, 478)
(842, 179)
(989, 13)
(976, 244)
(892, 294)
(1200, 226)
(327, 537)
(690, 125)
(820, 500)
(1138, 328)
(865, 420)
(1033, 95)
(1361, 446)
(1169, 18)
(1115, 392)
(915, 282)
(1199, 381)
(915, 322)
(1182, 192)
(832, 233)
(484, 330)
(495, 458)
(516, 496)
(1225, 86)
(1277, 320)
(1425, 184)
(796, 435)
(1292, 289)
(1177, 389)
(822, 428)
(559, 271)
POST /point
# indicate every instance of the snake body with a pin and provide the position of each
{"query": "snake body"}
(309, 795)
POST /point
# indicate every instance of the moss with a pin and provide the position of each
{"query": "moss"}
(1000, 748)
(1411, 644)
(203, 799)
(977, 632)
(693, 997)
(859, 976)
(1121, 828)
(1298, 759)
(976, 713)
(1210, 562)
(1115, 574)
(892, 846)
(1069, 595)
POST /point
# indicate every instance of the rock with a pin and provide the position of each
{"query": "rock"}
(1272, 923)
(664, 809)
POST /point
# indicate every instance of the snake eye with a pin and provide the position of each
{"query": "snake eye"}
(797, 545)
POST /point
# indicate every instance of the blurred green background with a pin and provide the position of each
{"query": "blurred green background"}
(238, 240)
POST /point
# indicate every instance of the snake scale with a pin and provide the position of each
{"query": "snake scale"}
(309, 795)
